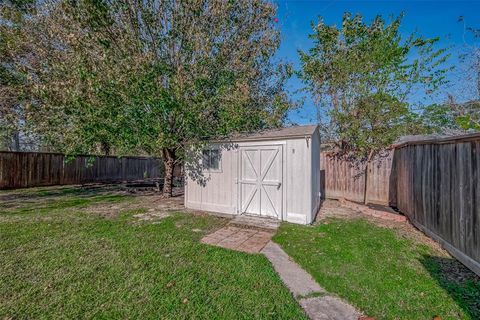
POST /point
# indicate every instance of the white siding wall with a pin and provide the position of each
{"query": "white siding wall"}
(219, 194)
(214, 191)
(298, 161)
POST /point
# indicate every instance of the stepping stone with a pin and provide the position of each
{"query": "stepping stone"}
(328, 308)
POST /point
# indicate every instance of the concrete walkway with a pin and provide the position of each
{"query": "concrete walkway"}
(252, 235)
(316, 302)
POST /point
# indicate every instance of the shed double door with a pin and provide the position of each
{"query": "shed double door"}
(261, 180)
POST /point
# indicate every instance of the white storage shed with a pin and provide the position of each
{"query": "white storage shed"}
(273, 173)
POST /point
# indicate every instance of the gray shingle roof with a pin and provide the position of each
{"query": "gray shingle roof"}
(275, 134)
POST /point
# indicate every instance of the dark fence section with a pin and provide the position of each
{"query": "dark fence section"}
(435, 183)
(438, 187)
(32, 169)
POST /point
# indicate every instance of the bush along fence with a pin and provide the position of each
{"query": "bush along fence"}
(32, 169)
(435, 183)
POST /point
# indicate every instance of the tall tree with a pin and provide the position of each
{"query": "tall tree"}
(441, 119)
(13, 15)
(362, 75)
(156, 77)
(465, 103)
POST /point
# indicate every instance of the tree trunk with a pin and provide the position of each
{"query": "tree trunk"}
(168, 156)
(105, 146)
(15, 141)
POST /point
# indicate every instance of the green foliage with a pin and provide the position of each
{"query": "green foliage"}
(440, 118)
(361, 76)
(173, 73)
(469, 121)
(150, 77)
(468, 112)
(12, 75)
(100, 79)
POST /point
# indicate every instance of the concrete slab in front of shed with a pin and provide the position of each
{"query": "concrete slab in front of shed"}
(250, 240)
(245, 221)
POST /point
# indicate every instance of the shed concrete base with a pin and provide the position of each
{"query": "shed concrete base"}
(255, 222)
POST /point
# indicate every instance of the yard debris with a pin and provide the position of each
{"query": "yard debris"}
(343, 208)
(454, 271)
(386, 213)
(152, 206)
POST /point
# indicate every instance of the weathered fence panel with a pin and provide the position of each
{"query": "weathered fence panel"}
(342, 178)
(31, 169)
(435, 183)
(438, 188)
(345, 178)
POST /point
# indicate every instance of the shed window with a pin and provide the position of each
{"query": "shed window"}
(211, 159)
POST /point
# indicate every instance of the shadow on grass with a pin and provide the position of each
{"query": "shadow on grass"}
(44, 200)
(457, 280)
(26, 208)
(55, 191)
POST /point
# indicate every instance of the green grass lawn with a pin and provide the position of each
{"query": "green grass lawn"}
(58, 259)
(384, 274)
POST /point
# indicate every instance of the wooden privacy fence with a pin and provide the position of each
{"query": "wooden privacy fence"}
(438, 188)
(435, 183)
(347, 178)
(31, 169)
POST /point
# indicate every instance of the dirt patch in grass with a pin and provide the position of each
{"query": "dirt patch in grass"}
(152, 205)
(108, 201)
(333, 209)
(454, 271)
(152, 215)
(41, 199)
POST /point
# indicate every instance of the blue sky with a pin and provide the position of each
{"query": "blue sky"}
(428, 18)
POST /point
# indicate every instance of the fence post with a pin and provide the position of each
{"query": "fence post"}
(365, 190)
